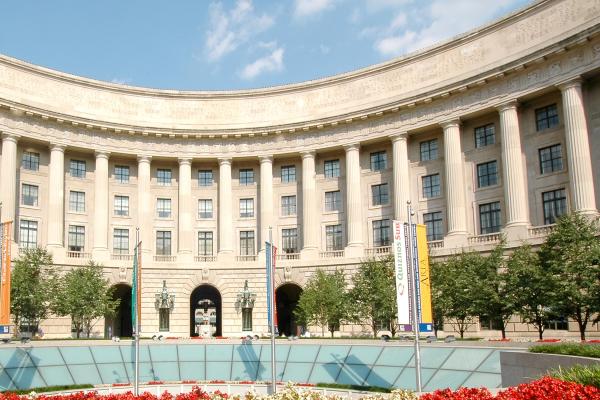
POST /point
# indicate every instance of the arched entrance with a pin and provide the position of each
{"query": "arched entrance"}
(120, 324)
(205, 311)
(287, 296)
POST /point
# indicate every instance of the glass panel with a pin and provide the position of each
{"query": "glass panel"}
(5, 381)
(15, 358)
(77, 355)
(244, 371)
(218, 370)
(42, 356)
(326, 373)
(83, 374)
(407, 378)
(128, 353)
(264, 373)
(113, 373)
(446, 379)
(478, 379)
(165, 370)
(107, 354)
(395, 356)
(382, 376)
(432, 357)
(191, 370)
(55, 376)
(492, 364)
(362, 355)
(297, 372)
(247, 352)
(26, 378)
(304, 353)
(353, 374)
(219, 352)
(335, 354)
(281, 352)
(466, 359)
(162, 353)
(191, 352)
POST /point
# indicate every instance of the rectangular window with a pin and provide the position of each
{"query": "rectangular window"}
(163, 243)
(551, 159)
(77, 168)
(28, 234)
(546, 117)
(288, 205)
(205, 208)
(378, 161)
(205, 177)
(380, 194)
(489, 217)
(121, 206)
(29, 195)
(246, 319)
(290, 240)
(429, 150)
(76, 238)
(555, 205)
(333, 201)
(487, 174)
(433, 225)
(121, 241)
(163, 177)
(431, 186)
(382, 233)
(163, 208)
(246, 177)
(332, 168)
(333, 237)
(205, 243)
(31, 161)
(76, 201)
(288, 174)
(121, 174)
(247, 243)
(485, 135)
(246, 208)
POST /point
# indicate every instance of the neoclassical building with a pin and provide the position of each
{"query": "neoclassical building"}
(494, 132)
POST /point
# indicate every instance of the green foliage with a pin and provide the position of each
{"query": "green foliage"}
(374, 293)
(572, 254)
(34, 286)
(569, 349)
(588, 375)
(324, 301)
(46, 389)
(85, 296)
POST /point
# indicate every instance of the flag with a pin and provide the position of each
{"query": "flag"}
(270, 254)
(136, 289)
(5, 241)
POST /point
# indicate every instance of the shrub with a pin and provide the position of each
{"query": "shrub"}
(570, 349)
(582, 374)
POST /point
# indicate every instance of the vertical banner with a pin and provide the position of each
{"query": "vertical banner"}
(136, 290)
(5, 277)
(424, 282)
(401, 272)
(269, 262)
(275, 318)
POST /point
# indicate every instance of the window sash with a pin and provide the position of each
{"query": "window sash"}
(378, 161)
(163, 177)
(246, 319)
(29, 195)
(546, 117)
(290, 240)
(431, 186)
(332, 168)
(433, 225)
(76, 201)
(333, 201)
(551, 159)
(122, 174)
(205, 178)
(288, 174)
(247, 243)
(77, 168)
(76, 238)
(554, 204)
(487, 174)
(31, 161)
(246, 208)
(121, 206)
(381, 233)
(288, 205)
(163, 208)
(333, 237)
(205, 208)
(489, 218)
(120, 241)
(485, 135)
(28, 234)
(205, 243)
(429, 150)
(380, 194)
(246, 177)
(163, 243)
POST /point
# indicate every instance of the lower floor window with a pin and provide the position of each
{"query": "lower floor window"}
(205, 243)
(163, 243)
(290, 240)
(489, 217)
(76, 238)
(246, 319)
(28, 234)
(433, 225)
(163, 320)
(247, 243)
(333, 237)
(381, 233)
(555, 205)
(558, 322)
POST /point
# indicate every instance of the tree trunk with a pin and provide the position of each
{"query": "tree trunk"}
(503, 333)
(582, 325)
(540, 328)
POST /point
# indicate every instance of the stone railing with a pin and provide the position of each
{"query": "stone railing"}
(121, 257)
(435, 244)
(378, 251)
(165, 258)
(487, 238)
(246, 258)
(78, 254)
(332, 254)
(541, 231)
(288, 256)
(205, 258)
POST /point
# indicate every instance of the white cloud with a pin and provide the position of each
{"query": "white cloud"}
(303, 8)
(394, 45)
(270, 63)
(228, 29)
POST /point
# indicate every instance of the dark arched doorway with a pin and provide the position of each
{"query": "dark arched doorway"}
(205, 309)
(287, 296)
(120, 323)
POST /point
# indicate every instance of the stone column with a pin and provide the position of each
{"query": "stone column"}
(455, 184)
(266, 200)
(185, 234)
(583, 198)
(145, 215)
(225, 210)
(401, 189)
(354, 222)
(8, 169)
(513, 172)
(310, 222)
(56, 198)
(100, 250)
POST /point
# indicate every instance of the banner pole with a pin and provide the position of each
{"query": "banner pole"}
(415, 314)
(137, 318)
(272, 317)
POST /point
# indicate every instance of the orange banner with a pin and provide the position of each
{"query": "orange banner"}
(5, 277)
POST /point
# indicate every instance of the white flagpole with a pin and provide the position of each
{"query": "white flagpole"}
(272, 316)
(137, 316)
(415, 314)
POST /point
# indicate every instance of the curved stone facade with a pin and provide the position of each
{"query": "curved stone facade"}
(494, 130)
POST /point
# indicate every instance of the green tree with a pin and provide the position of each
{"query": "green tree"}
(324, 301)
(374, 294)
(531, 287)
(572, 254)
(85, 297)
(33, 287)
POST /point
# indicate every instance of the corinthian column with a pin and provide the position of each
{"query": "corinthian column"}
(100, 248)
(56, 198)
(145, 204)
(225, 210)
(266, 199)
(455, 186)
(353, 202)
(513, 172)
(401, 178)
(578, 149)
(8, 194)
(185, 234)
(310, 226)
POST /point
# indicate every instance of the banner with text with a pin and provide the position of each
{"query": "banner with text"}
(5, 230)
(401, 272)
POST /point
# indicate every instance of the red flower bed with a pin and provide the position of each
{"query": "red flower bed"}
(548, 340)
(189, 381)
(216, 381)
(155, 383)
(121, 384)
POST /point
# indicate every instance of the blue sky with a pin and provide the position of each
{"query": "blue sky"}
(229, 44)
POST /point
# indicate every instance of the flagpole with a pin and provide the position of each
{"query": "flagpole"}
(137, 318)
(272, 318)
(415, 314)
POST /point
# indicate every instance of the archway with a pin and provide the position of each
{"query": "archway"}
(120, 324)
(287, 296)
(205, 311)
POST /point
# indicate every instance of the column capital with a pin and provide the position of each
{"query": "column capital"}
(185, 161)
(224, 161)
(307, 154)
(352, 146)
(266, 159)
(58, 147)
(102, 154)
(451, 123)
(509, 105)
(400, 136)
(572, 82)
(144, 159)
(10, 137)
